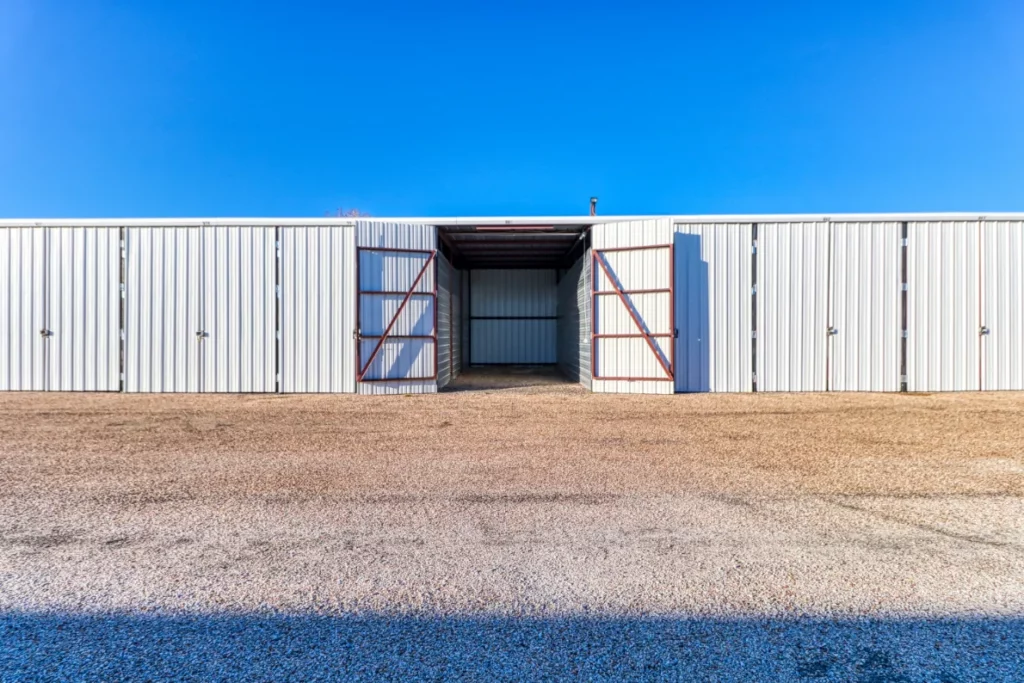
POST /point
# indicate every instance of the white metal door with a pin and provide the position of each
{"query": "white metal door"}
(713, 306)
(162, 323)
(864, 309)
(318, 303)
(1002, 305)
(943, 322)
(83, 302)
(632, 307)
(238, 310)
(792, 306)
(22, 302)
(397, 308)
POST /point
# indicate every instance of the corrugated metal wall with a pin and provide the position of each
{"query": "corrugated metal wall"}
(445, 275)
(632, 357)
(942, 308)
(583, 290)
(239, 310)
(318, 309)
(201, 309)
(513, 317)
(409, 366)
(22, 347)
(83, 309)
(792, 306)
(574, 322)
(60, 309)
(864, 320)
(1002, 305)
(162, 304)
(713, 306)
(456, 316)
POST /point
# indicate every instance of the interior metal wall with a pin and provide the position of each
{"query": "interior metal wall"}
(863, 334)
(445, 328)
(574, 322)
(1002, 305)
(943, 347)
(713, 306)
(317, 352)
(513, 317)
(455, 336)
(614, 356)
(792, 306)
(402, 366)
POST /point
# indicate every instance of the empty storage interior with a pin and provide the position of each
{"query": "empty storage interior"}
(517, 308)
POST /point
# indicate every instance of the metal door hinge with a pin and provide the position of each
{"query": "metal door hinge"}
(904, 242)
(753, 334)
(905, 287)
(905, 334)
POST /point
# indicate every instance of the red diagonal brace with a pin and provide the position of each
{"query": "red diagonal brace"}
(387, 330)
(632, 314)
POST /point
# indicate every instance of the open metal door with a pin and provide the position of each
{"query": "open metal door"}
(396, 349)
(633, 307)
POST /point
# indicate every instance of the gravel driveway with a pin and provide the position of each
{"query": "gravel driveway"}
(537, 533)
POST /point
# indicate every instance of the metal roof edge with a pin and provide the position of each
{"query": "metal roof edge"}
(507, 220)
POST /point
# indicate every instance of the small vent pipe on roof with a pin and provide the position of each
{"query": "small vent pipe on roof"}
(593, 206)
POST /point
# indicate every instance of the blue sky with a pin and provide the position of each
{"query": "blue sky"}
(189, 108)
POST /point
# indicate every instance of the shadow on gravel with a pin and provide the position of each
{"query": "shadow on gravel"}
(246, 647)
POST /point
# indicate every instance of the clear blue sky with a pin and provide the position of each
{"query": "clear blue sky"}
(188, 108)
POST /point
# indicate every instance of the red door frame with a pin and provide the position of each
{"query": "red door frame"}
(361, 369)
(598, 259)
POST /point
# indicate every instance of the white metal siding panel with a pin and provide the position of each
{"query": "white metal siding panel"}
(404, 360)
(1002, 305)
(647, 269)
(83, 310)
(318, 309)
(162, 309)
(713, 306)
(22, 269)
(444, 321)
(864, 352)
(942, 307)
(513, 294)
(792, 306)
(239, 310)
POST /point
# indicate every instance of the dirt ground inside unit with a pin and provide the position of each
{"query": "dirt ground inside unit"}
(439, 530)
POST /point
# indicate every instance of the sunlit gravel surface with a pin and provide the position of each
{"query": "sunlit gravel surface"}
(534, 533)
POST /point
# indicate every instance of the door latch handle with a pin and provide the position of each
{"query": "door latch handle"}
(983, 331)
(200, 335)
(45, 333)
(832, 331)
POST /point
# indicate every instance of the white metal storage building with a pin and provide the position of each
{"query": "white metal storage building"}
(619, 304)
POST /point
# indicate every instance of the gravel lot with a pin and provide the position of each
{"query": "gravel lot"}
(538, 532)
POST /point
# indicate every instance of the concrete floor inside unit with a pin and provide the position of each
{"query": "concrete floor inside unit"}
(535, 378)
(512, 535)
